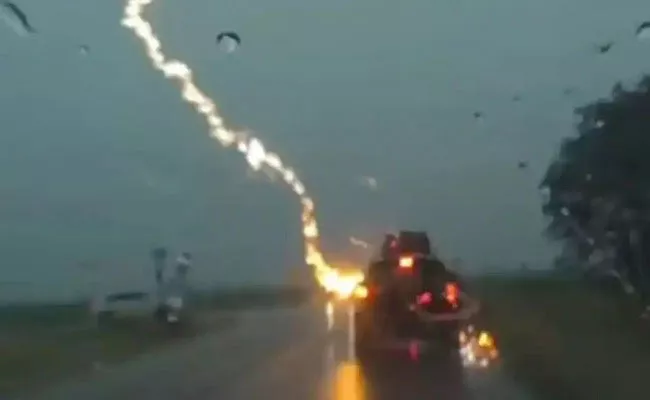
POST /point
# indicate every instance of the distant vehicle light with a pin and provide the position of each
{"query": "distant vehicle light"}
(406, 262)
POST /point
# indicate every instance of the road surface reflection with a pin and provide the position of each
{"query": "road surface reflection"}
(404, 373)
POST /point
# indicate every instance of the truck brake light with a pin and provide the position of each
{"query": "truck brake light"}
(406, 262)
(451, 293)
(425, 298)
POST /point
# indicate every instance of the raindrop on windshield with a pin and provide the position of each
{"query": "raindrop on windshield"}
(16, 19)
(228, 42)
(605, 47)
(643, 31)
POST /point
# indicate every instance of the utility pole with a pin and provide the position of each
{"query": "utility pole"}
(159, 258)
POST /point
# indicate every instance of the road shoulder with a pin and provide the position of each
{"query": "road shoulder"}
(566, 340)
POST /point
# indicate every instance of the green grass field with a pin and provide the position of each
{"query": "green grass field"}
(44, 343)
(34, 356)
(566, 339)
(33, 360)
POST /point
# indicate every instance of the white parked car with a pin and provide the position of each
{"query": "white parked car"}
(136, 304)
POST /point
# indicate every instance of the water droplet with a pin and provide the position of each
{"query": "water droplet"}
(643, 31)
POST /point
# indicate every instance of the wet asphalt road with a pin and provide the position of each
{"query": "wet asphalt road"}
(286, 355)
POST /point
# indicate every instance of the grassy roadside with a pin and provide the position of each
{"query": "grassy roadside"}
(41, 344)
(567, 340)
(38, 358)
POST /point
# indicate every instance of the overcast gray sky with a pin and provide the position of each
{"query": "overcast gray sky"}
(100, 160)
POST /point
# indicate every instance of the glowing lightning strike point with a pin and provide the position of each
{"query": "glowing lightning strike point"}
(253, 149)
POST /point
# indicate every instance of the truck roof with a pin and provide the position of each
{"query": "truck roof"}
(406, 242)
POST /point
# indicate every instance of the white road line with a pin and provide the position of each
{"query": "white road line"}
(351, 333)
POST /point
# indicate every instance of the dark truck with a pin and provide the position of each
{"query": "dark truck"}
(410, 295)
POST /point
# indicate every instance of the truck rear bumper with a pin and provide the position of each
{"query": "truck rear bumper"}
(405, 327)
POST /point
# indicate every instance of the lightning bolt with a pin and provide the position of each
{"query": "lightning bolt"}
(252, 148)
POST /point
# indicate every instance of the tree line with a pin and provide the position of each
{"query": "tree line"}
(597, 189)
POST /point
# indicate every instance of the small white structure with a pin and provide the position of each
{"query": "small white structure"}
(136, 304)
(127, 304)
(165, 303)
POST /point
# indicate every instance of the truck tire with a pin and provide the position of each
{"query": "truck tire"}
(450, 344)
(444, 340)
(450, 339)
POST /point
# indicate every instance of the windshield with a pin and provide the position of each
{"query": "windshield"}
(198, 180)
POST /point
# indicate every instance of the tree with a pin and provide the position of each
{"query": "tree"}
(598, 187)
